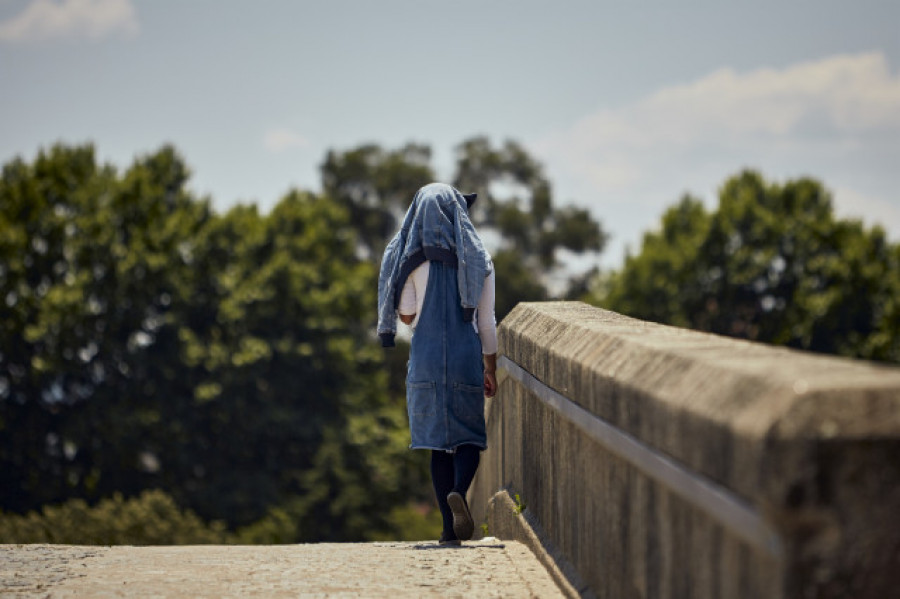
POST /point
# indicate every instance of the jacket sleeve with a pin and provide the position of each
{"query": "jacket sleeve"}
(473, 263)
(387, 283)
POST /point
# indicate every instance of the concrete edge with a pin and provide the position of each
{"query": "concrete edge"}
(504, 522)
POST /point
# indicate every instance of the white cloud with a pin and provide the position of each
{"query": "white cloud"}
(834, 119)
(280, 140)
(849, 94)
(70, 19)
(834, 98)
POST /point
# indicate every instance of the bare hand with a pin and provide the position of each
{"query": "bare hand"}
(490, 384)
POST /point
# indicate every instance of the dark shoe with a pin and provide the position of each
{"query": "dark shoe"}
(449, 542)
(463, 525)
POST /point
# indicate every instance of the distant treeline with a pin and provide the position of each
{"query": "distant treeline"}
(771, 263)
(227, 361)
(169, 374)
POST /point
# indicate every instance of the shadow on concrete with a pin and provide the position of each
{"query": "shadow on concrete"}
(435, 545)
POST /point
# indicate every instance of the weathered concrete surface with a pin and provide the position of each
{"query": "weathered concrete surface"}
(487, 568)
(812, 443)
(504, 514)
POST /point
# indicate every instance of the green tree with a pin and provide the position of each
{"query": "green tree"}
(291, 381)
(659, 283)
(150, 343)
(771, 264)
(90, 261)
(515, 207)
(376, 186)
(227, 360)
(272, 349)
(530, 228)
(152, 518)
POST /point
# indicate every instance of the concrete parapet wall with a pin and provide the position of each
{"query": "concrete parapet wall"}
(661, 462)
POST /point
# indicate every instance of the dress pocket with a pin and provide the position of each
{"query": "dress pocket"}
(420, 398)
(468, 403)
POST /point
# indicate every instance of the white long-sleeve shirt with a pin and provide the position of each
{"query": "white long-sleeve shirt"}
(412, 298)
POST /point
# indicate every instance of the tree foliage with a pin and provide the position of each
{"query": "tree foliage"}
(531, 229)
(163, 366)
(91, 264)
(228, 360)
(772, 263)
(376, 186)
(152, 518)
(515, 207)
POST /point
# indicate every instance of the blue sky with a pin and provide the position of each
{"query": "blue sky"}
(628, 105)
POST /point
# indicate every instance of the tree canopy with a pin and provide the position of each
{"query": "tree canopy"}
(772, 263)
(515, 207)
(226, 360)
(530, 227)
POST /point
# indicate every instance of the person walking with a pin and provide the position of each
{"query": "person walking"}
(438, 278)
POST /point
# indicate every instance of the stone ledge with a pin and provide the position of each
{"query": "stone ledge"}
(808, 442)
(700, 397)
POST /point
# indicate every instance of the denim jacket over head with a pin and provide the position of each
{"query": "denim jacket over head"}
(436, 227)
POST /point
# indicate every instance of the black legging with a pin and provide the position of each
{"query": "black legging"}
(453, 472)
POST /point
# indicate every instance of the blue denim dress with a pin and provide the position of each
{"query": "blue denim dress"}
(445, 377)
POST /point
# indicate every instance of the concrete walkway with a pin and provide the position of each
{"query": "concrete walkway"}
(487, 568)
